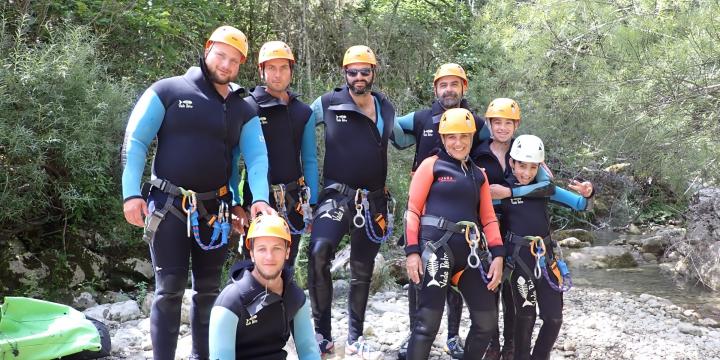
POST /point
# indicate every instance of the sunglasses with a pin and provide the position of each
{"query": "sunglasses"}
(355, 72)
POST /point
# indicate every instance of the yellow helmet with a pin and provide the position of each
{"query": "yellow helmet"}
(275, 50)
(359, 54)
(503, 108)
(451, 69)
(457, 121)
(268, 225)
(231, 36)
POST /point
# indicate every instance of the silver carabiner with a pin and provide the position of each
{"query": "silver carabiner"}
(358, 219)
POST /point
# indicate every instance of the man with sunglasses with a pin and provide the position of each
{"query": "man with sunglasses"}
(421, 128)
(358, 124)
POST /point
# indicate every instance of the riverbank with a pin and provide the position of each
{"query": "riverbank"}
(598, 324)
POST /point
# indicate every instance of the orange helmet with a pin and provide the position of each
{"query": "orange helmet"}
(359, 54)
(503, 108)
(275, 50)
(451, 69)
(231, 36)
(268, 225)
(457, 121)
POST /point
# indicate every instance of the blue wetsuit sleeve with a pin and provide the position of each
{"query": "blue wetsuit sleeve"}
(252, 144)
(144, 123)
(543, 187)
(222, 334)
(308, 153)
(403, 135)
(483, 134)
(317, 113)
(304, 334)
(569, 199)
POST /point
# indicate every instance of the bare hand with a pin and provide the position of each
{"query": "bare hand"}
(239, 219)
(495, 273)
(262, 208)
(414, 267)
(136, 211)
(498, 191)
(584, 188)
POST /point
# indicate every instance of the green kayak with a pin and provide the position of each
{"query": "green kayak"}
(32, 329)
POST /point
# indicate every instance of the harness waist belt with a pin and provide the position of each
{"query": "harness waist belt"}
(172, 189)
(441, 223)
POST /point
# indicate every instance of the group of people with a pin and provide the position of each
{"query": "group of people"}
(476, 225)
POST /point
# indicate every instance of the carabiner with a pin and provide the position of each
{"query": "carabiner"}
(359, 219)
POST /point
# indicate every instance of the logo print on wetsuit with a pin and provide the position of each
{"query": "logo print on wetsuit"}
(428, 132)
(185, 104)
(433, 267)
(263, 120)
(516, 201)
(341, 118)
(446, 179)
(334, 214)
(251, 320)
(526, 288)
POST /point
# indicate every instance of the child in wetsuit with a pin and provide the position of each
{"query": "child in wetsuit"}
(535, 281)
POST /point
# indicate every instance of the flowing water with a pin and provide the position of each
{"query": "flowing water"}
(648, 279)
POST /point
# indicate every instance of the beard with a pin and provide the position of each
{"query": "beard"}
(268, 276)
(360, 87)
(449, 99)
(217, 79)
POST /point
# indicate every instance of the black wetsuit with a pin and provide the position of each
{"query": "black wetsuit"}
(529, 216)
(289, 132)
(355, 158)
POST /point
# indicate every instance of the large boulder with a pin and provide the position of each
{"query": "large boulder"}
(655, 245)
(700, 250)
(580, 234)
(600, 257)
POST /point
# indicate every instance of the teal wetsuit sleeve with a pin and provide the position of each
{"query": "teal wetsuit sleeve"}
(304, 334)
(144, 123)
(317, 113)
(222, 334)
(308, 153)
(570, 199)
(252, 144)
(483, 134)
(543, 187)
(403, 131)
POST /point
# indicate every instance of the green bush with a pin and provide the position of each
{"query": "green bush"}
(62, 119)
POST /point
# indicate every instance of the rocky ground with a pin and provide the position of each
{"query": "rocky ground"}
(598, 324)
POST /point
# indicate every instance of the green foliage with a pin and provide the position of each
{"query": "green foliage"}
(61, 118)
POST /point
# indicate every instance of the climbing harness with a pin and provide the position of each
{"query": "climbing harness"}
(219, 223)
(193, 210)
(475, 238)
(479, 256)
(559, 269)
(363, 202)
(557, 265)
(370, 230)
(283, 201)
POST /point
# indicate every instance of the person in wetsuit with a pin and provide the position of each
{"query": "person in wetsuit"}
(255, 314)
(449, 210)
(202, 125)
(493, 155)
(357, 123)
(527, 223)
(289, 132)
(450, 84)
